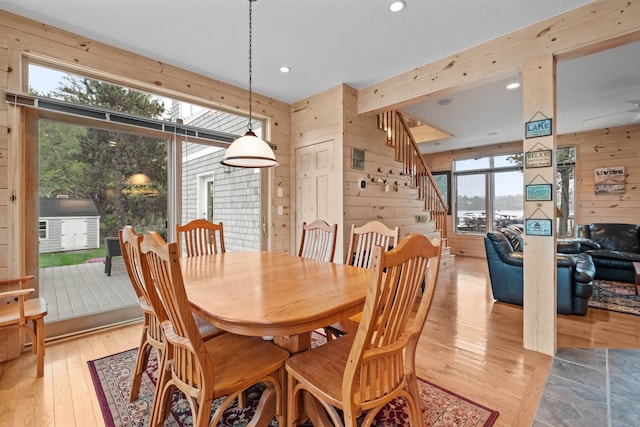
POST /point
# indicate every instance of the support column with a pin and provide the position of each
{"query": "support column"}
(539, 104)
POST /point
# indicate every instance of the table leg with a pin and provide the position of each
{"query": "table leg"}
(294, 343)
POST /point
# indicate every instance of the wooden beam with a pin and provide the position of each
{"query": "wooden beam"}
(599, 25)
(539, 101)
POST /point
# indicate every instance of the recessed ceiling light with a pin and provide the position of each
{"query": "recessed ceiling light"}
(285, 69)
(397, 6)
(492, 133)
(445, 101)
(513, 85)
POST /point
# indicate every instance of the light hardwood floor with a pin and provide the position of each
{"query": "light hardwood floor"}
(470, 345)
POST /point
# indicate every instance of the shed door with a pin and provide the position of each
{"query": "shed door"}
(74, 234)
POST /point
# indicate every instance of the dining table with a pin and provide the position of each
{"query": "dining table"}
(273, 294)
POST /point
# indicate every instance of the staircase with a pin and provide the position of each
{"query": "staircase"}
(414, 166)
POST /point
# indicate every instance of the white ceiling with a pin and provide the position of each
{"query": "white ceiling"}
(357, 42)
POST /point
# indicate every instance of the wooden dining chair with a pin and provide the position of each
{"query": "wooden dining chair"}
(154, 314)
(364, 238)
(318, 240)
(362, 372)
(360, 254)
(26, 314)
(206, 370)
(201, 237)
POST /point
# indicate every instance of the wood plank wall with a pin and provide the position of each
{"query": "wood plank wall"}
(594, 149)
(332, 115)
(606, 148)
(396, 207)
(314, 120)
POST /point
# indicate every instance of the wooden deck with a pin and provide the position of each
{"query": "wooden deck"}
(81, 297)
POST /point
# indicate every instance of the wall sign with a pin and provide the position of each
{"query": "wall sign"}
(537, 128)
(538, 159)
(537, 227)
(538, 192)
(610, 180)
(357, 159)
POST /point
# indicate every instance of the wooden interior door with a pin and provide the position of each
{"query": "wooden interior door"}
(314, 181)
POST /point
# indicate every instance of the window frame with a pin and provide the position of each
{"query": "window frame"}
(46, 229)
(489, 173)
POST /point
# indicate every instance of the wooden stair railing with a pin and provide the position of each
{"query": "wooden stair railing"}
(414, 165)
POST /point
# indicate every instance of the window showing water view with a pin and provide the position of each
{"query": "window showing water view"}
(492, 187)
(488, 193)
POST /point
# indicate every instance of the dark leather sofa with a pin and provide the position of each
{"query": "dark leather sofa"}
(505, 260)
(613, 247)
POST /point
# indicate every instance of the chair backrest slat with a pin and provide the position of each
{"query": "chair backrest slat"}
(318, 240)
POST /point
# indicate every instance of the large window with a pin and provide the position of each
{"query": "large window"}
(111, 156)
(488, 193)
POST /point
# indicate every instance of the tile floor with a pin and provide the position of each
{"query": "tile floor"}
(591, 387)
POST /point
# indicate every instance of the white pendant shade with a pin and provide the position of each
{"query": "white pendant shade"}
(249, 151)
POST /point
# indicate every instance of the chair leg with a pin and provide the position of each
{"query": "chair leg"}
(292, 400)
(39, 327)
(162, 402)
(160, 409)
(144, 350)
(107, 265)
(203, 412)
(415, 410)
(242, 402)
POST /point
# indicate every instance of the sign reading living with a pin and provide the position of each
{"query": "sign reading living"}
(610, 180)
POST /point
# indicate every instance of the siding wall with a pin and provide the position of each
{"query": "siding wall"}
(236, 199)
(595, 149)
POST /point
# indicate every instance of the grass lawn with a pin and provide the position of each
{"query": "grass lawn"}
(57, 259)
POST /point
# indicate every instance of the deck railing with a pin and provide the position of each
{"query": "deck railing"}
(414, 165)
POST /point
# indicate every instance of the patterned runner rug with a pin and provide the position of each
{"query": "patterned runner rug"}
(112, 376)
(615, 296)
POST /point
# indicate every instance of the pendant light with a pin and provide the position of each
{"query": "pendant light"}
(249, 151)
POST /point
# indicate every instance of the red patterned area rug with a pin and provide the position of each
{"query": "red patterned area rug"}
(615, 296)
(112, 376)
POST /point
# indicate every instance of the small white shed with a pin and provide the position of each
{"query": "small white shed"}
(68, 225)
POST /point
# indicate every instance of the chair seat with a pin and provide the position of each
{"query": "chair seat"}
(33, 308)
(242, 361)
(322, 368)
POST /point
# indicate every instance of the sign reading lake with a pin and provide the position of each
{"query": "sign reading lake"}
(537, 128)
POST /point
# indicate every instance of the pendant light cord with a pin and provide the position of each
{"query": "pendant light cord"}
(250, 125)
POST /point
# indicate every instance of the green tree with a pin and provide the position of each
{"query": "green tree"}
(104, 160)
(59, 172)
